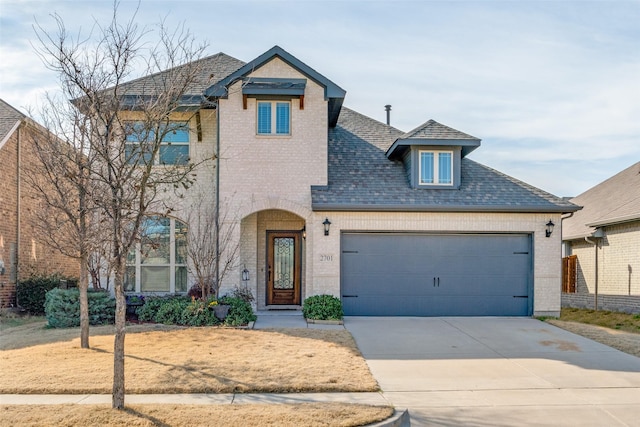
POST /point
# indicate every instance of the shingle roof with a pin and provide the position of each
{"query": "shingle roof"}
(361, 177)
(434, 130)
(614, 200)
(212, 69)
(9, 117)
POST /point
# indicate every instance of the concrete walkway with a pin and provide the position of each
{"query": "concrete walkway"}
(498, 372)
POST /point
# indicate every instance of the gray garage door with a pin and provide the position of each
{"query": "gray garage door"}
(395, 274)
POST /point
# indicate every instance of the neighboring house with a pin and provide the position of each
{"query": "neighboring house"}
(22, 253)
(602, 242)
(327, 200)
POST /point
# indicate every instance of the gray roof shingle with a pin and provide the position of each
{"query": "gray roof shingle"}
(614, 200)
(9, 116)
(362, 178)
(434, 130)
(212, 69)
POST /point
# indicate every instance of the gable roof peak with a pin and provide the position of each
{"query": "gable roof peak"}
(434, 130)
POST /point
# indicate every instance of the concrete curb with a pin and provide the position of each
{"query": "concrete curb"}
(325, 322)
(400, 418)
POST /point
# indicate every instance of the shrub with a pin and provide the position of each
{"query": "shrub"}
(243, 293)
(240, 311)
(198, 313)
(322, 307)
(171, 310)
(31, 292)
(147, 312)
(62, 308)
(195, 291)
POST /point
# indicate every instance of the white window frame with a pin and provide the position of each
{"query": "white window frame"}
(173, 265)
(274, 117)
(436, 168)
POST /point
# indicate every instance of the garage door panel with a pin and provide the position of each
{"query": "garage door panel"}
(436, 275)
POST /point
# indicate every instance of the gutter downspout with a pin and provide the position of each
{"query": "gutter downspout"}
(595, 304)
(217, 207)
(18, 208)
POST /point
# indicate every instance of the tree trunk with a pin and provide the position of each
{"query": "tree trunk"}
(118, 347)
(83, 285)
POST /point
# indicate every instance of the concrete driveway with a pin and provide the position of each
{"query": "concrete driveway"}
(458, 371)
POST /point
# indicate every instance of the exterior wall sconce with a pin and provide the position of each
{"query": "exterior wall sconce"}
(304, 232)
(245, 275)
(549, 229)
(326, 224)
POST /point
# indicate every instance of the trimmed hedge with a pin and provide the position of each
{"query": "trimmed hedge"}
(62, 308)
(322, 307)
(31, 292)
(180, 310)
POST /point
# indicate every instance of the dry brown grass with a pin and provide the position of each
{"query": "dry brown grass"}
(186, 360)
(608, 319)
(312, 415)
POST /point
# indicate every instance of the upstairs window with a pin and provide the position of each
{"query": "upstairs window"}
(436, 168)
(174, 147)
(274, 118)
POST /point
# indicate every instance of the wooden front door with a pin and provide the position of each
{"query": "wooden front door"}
(283, 267)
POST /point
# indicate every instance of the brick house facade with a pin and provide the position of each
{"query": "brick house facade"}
(22, 253)
(303, 180)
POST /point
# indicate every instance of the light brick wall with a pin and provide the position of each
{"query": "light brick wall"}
(325, 263)
(618, 261)
(33, 256)
(277, 167)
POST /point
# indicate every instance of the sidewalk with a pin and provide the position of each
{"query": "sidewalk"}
(287, 319)
(194, 399)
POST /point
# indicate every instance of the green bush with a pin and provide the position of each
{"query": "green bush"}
(198, 313)
(240, 311)
(322, 307)
(171, 310)
(31, 292)
(62, 308)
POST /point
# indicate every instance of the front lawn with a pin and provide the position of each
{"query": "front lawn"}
(186, 360)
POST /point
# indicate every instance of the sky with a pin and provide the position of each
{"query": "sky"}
(551, 87)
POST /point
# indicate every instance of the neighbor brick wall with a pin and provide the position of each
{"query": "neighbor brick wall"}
(34, 257)
(626, 304)
(618, 261)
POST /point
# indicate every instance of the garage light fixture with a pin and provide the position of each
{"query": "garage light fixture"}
(326, 224)
(549, 229)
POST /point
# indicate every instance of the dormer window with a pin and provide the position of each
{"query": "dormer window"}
(436, 167)
(274, 118)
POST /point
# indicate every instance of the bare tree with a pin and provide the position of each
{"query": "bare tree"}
(125, 125)
(211, 245)
(61, 183)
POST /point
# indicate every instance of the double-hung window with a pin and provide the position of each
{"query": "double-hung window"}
(174, 144)
(274, 118)
(436, 167)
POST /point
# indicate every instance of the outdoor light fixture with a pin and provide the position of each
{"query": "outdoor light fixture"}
(549, 229)
(326, 224)
(245, 275)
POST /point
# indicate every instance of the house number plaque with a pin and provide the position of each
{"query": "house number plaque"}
(326, 258)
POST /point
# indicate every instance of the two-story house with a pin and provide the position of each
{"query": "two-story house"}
(327, 200)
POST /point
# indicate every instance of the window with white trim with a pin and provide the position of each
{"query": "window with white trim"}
(274, 118)
(174, 145)
(159, 263)
(436, 167)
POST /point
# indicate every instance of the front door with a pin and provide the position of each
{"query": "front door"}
(283, 267)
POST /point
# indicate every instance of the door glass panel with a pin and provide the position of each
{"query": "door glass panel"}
(283, 260)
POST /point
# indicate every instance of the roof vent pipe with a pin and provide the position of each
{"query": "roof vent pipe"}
(388, 110)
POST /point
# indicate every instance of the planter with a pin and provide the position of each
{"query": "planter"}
(221, 311)
(132, 307)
